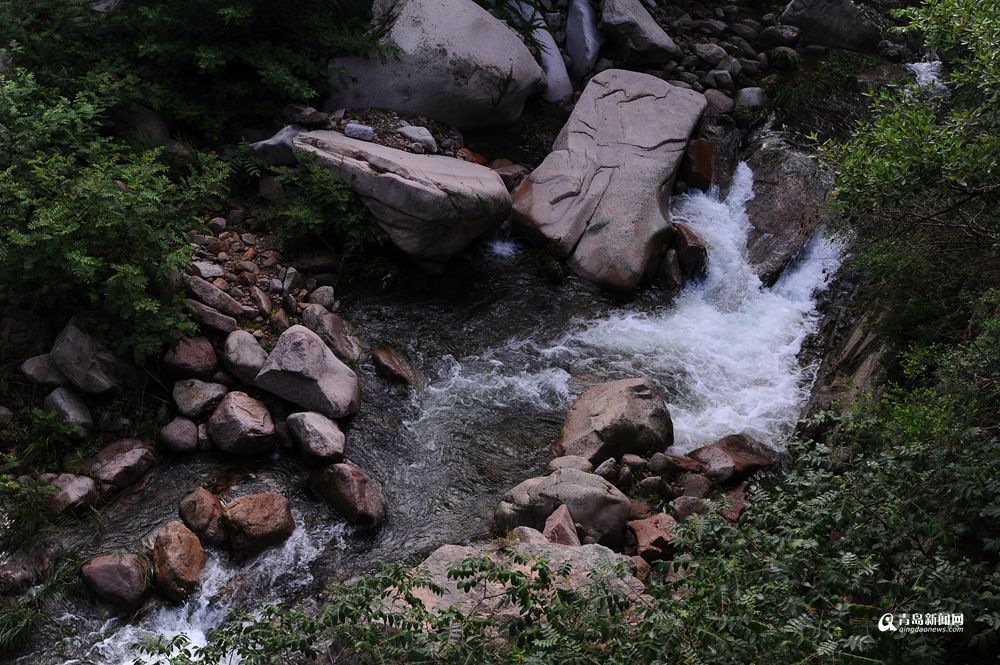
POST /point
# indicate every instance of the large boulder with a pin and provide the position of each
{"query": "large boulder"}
(583, 37)
(597, 196)
(450, 60)
(790, 188)
(121, 463)
(89, 365)
(355, 496)
(834, 23)
(256, 523)
(594, 503)
(638, 36)
(558, 88)
(431, 206)
(733, 458)
(202, 513)
(319, 437)
(302, 370)
(119, 579)
(178, 559)
(614, 419)
(241, 425)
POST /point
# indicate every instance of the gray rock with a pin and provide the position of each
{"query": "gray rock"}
(420, 135)
(243, 355)
(360, 132)
(213, 296)
(456, 63)
(615, 418)
(292, 280)
(278, 150)
(261, 300)
(241, 425)
(302, 370)
(72, 492)
(195, 397)
(638, 36)
(583, 37)
(208, 270)
(750, 98)
(180, 435)
(571, 462)
(88, 365)
(207, 317)
(121, 464)
(431, 206)
(596, 196)
(42, 371)
(70, 408)
(334, 331)
(193, 357)
(355, 496)
(834, 23)
(319, 437)
(323, 296)
(558, 88)
(710, 54)
(595, 504)
(719, 103)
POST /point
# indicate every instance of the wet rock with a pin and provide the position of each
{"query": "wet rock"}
(214, 297)
(637, 35)
(692, 254)
(596, 196)
(615, 418)
(583, 37)
(833, 23)
(193, 357)
(670, 276)
(212, 319)
(653, 536)
(202, 513)
(70, 408)
(571, 462)
(302, 370)
(431, 206)
(393, 366)
(355, 496)
(594, 503)
(241, 425)
(42, 371)
(243, 355)
(670, 466)
(178, 559)
(319, 437)
(734, 457)
(180, 435)
(195, 398)
(789, 189)
(559, 527)
(685, 506)
(119, 579)
(72, 492)
(256, 523)
(121, 463)
(335, 332)
(456, 63)
(698, 169)
(89, 366)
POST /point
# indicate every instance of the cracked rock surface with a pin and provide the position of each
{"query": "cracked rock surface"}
(597, 196)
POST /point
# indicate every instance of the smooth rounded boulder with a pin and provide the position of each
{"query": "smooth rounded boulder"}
(178, 559)
(613, 419)
(202, 513)
(450, 60)
(256, 523)
(243, 355)
(304, 371)
(597, 196)
(241, 425)
(119, 579)
(193, 357)
(430, 206)
(595, 504)
(319, 437)
(355, 496)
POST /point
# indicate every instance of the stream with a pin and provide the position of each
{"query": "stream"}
(502, 356)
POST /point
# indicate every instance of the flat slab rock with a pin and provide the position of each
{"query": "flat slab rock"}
(431, 206)
(597, 196)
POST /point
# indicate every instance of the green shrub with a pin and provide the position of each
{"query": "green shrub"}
(23, 505)
(90, 226)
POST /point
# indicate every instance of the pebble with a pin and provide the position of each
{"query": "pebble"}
(355, 130)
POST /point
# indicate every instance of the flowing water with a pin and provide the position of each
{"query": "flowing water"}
(502, 354)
